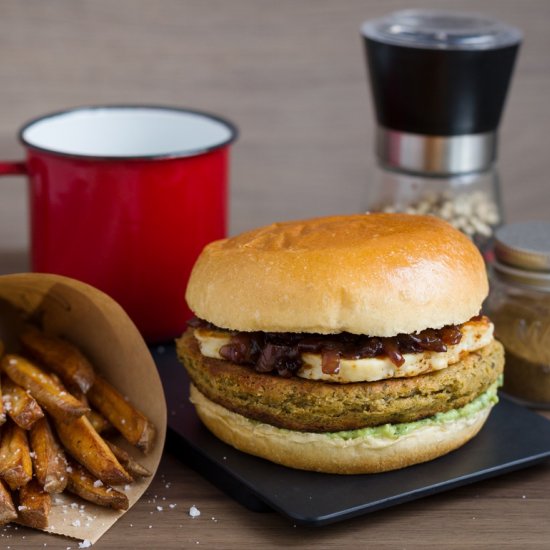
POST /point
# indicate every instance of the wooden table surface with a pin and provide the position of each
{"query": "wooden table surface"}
(291, 74)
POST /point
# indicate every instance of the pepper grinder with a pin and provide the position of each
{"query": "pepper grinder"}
(439, 81)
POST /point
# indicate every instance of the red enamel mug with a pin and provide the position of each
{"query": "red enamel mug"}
(125, 198)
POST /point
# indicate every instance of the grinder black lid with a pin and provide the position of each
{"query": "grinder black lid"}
(440, 73)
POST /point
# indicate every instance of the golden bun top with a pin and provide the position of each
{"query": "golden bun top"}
(377, 274)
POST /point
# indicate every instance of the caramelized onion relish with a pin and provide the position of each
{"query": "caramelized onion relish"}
(280, 352)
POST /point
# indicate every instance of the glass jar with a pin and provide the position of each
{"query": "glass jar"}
(519, 306)
(470, 202)
(438, 111)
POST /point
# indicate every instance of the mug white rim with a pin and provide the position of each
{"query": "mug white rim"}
(227, 132)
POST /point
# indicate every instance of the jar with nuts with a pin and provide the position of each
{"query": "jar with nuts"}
(469, 202)
(438, 111)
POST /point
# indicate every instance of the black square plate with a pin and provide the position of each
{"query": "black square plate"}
(512, 438)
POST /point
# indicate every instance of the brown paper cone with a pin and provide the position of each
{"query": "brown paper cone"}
(101, 329)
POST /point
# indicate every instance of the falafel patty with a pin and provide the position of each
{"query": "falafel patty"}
(316, 406)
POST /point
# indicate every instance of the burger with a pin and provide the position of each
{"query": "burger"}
(344, 344)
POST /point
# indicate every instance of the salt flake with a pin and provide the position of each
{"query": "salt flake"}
(194, 512)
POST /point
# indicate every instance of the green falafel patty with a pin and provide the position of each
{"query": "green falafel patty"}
(314, 406)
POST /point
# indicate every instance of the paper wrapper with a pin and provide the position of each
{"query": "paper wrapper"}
(105, 334)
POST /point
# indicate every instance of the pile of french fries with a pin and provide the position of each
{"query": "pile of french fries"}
(56, 413)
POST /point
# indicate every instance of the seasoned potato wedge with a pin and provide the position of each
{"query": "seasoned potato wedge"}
(83, 484)
(2, 410)
(20, 406)
(133, 467)
(134, 426)
(42, 387)
(56, 381)
(15, 458)
(86, 446)
(59, 356)
(53, 408)
(50, 464)
(97, 420)
(34, 505)
(7, 508)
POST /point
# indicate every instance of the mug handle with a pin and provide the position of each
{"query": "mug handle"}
(8, 168)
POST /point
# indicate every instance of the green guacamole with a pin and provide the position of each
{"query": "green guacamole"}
(394, 431)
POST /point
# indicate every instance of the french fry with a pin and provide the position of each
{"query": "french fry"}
(97, 420)
(2, 408)
(60, 387)
(92, 466)
(83, 484)
(134, 468)
(50, 464)
(21, 407)
(86, 446)
(34, 506)
(42, 387)
(132, 424)
(7, 508)
(59, 356)
(15, 458)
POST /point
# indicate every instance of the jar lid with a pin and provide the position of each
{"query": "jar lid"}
(442, 30)
(524, 245)
(439, 81)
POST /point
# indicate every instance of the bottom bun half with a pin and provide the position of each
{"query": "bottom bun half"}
(337, 453)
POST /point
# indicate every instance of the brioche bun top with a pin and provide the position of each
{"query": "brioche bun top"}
(376, 274)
